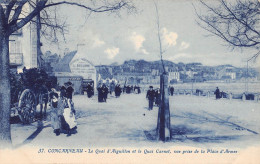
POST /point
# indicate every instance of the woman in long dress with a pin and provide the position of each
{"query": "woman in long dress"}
(55, 121)
(69, 117)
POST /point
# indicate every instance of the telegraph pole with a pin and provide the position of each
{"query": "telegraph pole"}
(247, 76)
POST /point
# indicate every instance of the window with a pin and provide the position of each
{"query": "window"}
(15, 46)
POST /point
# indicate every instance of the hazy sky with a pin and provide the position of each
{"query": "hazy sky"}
(109, 38)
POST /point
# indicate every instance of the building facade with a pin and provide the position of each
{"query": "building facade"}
(76, 68)
(23, 47)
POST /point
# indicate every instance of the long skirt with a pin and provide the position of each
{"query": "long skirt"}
(55, 121)
(69, 118)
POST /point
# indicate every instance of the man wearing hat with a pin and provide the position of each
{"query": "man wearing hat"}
(217, 93)
(69, 91)
(150, 96)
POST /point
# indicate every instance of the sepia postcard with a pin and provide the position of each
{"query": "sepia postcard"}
(129, 81)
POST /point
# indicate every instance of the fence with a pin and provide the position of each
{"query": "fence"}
(226, 95)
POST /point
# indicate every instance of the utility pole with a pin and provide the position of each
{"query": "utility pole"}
(247, 77)
(163, 131)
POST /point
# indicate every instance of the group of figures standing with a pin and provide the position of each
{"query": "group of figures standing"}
(219, 94)
(103, 92)
(62, 110)
(131, 89)
(154, 96)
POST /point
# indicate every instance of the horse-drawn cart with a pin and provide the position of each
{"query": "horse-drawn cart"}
(32, 91)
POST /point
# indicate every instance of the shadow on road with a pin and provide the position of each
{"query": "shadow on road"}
(40, 127)
(199, 127)
(183, 133)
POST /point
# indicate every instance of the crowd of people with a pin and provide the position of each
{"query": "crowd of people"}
(103, 92)
(62, 107)
(131, 89)
(154, 96)
(220, 94)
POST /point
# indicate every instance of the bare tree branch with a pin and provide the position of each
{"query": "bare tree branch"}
(9, 8)
(159, 35)
(17, 11)
(237, 23)
(99, 9)
(14, 27)
(42, 4)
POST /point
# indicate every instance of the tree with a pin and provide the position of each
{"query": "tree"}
(235, 22)
(163, 131)
(12, 18)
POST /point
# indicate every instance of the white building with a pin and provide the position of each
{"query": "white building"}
(80, 65)
(232, 75)
(84, 68)
(227, 71)
(174, 76)
(155, 72)
(23, 47)
(74, 65)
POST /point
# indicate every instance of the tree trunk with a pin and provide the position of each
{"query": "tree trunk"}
(5, 96)
(164, 119)
(39, 52)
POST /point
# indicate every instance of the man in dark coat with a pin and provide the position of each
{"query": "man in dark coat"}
(104, 92)
(171, 91)
(117, 90)
(89, 90)
(138, 90)
(157, 97)
(69, 91)
(100, 94)
(128, 89)
(150, 96)
(217, 93)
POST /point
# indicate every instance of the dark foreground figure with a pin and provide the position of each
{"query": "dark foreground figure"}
(118, 91)
(102, 93)
(157, 97)
(69, 91)
(217, 93)
(90, 91)
(150, 96)
(171, 90)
